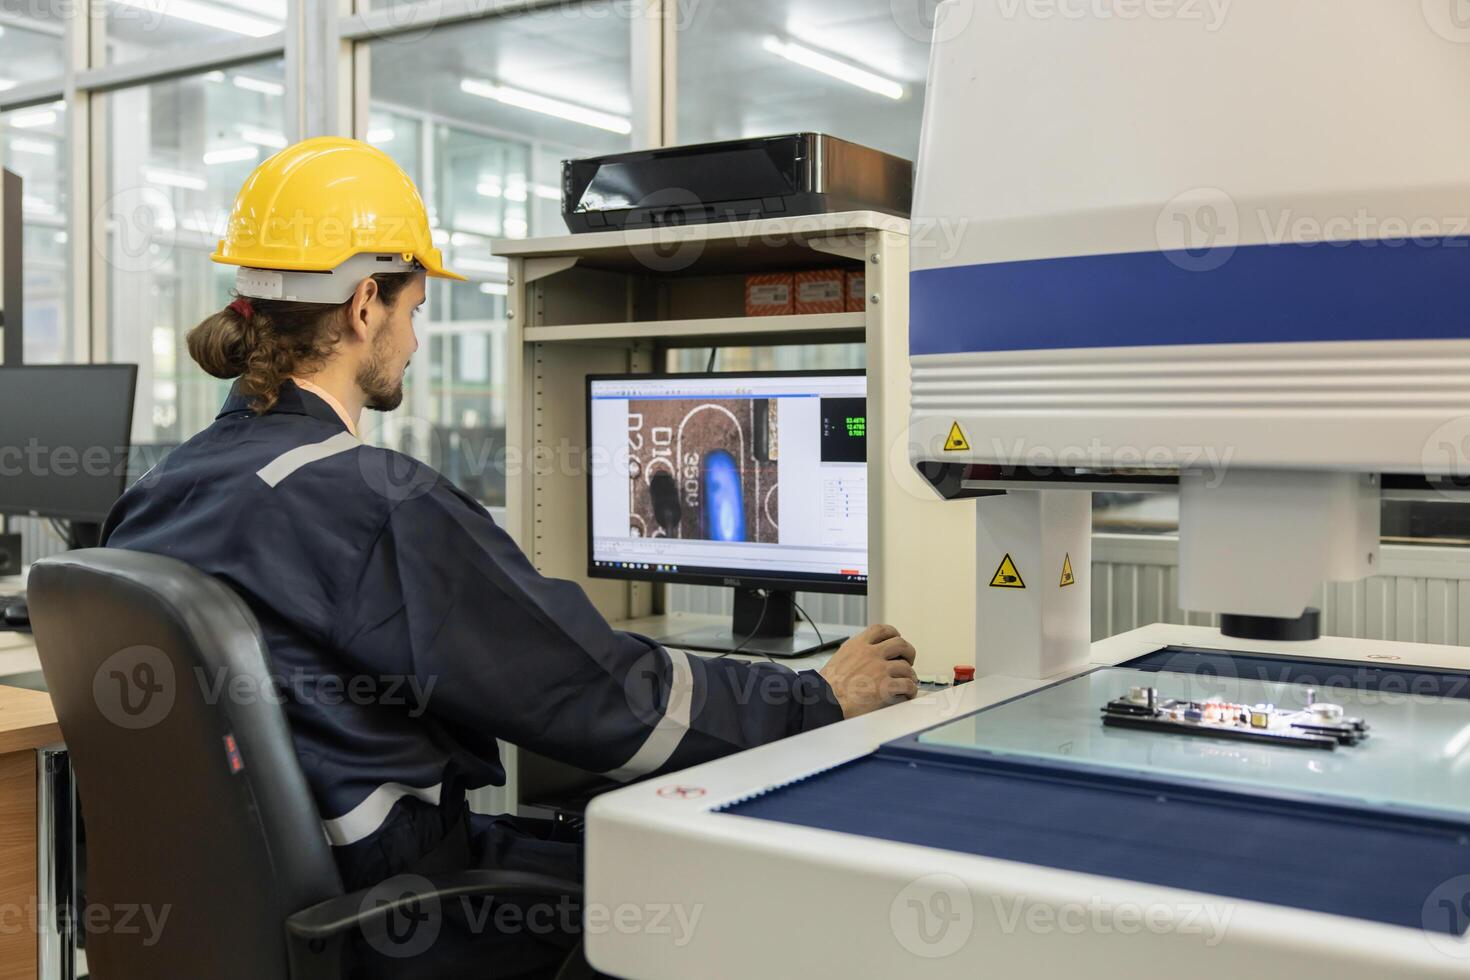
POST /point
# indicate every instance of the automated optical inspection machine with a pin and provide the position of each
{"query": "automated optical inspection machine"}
(1218, 250)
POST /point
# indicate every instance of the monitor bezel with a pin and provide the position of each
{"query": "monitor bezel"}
(794, 582)
(79, 516)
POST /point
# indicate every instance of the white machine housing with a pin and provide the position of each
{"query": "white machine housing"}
(681, 890)
(1226, 241)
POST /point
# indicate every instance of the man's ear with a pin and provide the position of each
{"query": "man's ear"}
(358, 316)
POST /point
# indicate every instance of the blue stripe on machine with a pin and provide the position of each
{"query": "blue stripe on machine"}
(1363, 290)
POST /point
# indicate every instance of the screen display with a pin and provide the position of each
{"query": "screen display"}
(757, 477)
(64, 434)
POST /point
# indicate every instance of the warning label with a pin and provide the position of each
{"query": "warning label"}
(1067, 577)
(956, 443)
(1007, 576)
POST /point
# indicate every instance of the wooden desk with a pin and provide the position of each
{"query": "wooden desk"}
(27, 723)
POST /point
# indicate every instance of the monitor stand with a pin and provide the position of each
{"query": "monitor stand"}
(774, 634)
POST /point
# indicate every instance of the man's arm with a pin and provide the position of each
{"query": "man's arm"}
(447, 596)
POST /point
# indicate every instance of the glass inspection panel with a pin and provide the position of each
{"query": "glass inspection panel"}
(1415, 757)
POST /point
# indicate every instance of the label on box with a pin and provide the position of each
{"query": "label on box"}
(856, 284)
(821, 291)
(769, 294)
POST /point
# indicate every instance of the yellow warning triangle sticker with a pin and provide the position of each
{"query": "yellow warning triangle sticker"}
(1067, 577)
(956, 443)
(1007, 576)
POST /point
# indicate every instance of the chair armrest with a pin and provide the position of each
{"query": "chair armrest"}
(315, 936)
(337, 916)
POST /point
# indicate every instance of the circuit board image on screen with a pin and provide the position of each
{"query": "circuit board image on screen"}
(704, 469)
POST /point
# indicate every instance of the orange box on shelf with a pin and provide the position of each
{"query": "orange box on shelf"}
(769, 294)
(821, 291)
(856, 285)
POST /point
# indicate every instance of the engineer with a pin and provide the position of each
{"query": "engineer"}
(410, 630)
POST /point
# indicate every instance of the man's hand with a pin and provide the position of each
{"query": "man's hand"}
(873, 669)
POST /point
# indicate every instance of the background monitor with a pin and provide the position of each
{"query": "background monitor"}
(755, 481)
(64, 436)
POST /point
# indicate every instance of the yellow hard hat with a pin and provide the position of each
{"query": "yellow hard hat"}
(319, 203)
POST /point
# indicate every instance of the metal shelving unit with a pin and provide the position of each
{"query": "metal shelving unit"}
(611, 302)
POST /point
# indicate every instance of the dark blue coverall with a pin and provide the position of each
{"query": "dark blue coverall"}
(408, 632)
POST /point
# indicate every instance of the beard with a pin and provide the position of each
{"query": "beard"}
(384, 392)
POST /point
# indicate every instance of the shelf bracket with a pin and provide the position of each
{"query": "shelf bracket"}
(848, 246)
(540, 268)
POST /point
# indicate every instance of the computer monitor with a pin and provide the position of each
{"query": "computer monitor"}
(64, 436)
(756, 481)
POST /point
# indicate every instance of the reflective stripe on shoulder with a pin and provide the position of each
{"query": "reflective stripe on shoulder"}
(292, 460)
(659, 747)
(364, 820)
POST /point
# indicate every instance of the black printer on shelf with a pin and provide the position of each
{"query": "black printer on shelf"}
(734, 180)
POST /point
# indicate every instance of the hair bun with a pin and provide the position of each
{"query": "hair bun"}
(219, 344)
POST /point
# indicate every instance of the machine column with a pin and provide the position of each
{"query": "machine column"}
(1033, 608)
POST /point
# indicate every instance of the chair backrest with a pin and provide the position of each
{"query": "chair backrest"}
(194, 804)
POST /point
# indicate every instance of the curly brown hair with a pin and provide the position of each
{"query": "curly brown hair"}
(280, 339)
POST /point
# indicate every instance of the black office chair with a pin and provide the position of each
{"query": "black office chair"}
(196, 804)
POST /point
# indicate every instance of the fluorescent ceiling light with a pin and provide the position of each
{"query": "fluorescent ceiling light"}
(515, 227)
(381, 134)
(207, 14)
(260, 85)
(547, 192)
(488, 188)
(546, 105)
(32, 120)
(231, 154)
(36, 205)
(515, 192)
(174, 178)
(463, 239)
(6, 84)
(38, 147)
(494, 288)
(840, 70)
(262, 137)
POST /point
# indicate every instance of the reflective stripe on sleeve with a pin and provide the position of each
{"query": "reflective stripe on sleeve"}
(659, 747)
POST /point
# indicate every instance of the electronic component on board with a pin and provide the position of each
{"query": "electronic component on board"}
(1319, 725)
